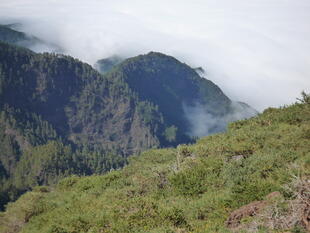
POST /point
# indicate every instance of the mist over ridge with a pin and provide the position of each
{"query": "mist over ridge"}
(154, 116)
(257, 51)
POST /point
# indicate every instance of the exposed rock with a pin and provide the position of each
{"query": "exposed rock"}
(306, 218)
(250, 209)
(245, 211)
(270, 216)
(304, 196)
(237, 157)
(273, 195)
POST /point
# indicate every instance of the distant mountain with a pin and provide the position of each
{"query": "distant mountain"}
(181, 94)
(59, 116)
(106, 64)
(12, 36)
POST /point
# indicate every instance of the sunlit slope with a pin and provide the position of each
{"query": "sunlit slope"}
(187, 189)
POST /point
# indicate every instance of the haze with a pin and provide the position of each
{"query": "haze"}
(257, 51)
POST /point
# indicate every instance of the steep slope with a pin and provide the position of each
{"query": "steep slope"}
(13, 36)
(142, 102)
(54, 103)
(106, 64)
(32, 153)
(82, 122)
(8, 35)
(196, 188)
(79, 103)
(182, 96)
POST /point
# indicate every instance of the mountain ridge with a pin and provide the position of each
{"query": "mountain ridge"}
(10, 35)
(96, 120)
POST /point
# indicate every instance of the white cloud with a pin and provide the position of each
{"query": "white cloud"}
(204, 123)
(257, 51)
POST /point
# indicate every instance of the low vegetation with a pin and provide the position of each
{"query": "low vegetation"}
(192, 188)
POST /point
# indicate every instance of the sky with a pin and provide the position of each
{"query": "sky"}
(256, 51)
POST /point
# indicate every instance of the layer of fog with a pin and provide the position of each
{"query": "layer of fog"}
(203, 123)
(257, 51)
(38, 45)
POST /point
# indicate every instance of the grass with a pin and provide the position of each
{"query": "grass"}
(191, 188)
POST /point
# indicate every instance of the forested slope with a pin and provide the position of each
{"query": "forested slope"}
(9, 34)
(50, 103)
(59, 116)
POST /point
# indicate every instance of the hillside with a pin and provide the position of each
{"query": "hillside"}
(181, 94)
(106, 64)
(7, 34)
(263, 162)
(10, 35)
(77, 101)
(59, 116)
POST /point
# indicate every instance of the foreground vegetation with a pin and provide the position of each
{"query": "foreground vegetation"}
(188, 189)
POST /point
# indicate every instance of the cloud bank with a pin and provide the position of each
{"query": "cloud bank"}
(203, 123)
(257, 51)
